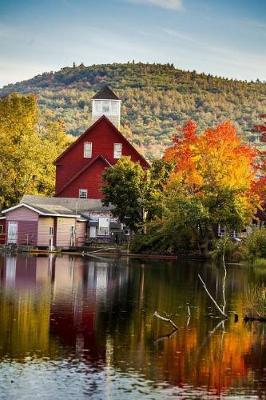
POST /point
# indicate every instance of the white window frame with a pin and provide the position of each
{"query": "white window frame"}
(87, 150)
(118, 150)
(103, 226)
(51, 230)
(106, 107)
(83, 193)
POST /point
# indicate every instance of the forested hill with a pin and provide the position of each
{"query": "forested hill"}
(155, 99)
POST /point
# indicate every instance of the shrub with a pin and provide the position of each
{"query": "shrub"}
(159, 240)
(256, 244)
(232, 250)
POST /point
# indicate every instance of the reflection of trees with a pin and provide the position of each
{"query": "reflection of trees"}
(24, 309)
(192, 355)
(24, 324)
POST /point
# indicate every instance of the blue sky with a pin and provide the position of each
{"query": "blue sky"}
(221, 37)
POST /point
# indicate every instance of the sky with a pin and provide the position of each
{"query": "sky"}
(222, 37)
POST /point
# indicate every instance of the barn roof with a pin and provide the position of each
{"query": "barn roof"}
(99, 121)
(105, 94)
(83, 170)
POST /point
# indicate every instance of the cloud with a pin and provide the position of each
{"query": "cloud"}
(166, 4)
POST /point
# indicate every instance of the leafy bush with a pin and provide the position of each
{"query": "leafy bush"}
(161, 241)
(256, 244)
(232, 250)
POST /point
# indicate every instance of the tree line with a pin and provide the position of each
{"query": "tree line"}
(155, 100)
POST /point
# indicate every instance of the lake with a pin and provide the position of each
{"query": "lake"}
(83, 328)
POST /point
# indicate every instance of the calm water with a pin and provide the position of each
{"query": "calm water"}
(83, 328)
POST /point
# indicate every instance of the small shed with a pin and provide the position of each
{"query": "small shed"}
(43, 226)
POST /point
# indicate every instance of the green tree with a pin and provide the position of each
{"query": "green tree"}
(123, 188)
(136, 194)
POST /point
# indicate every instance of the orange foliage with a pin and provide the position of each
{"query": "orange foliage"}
(217, 156)
(216, 159)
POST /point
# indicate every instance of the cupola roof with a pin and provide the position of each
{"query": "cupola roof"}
(105, 94)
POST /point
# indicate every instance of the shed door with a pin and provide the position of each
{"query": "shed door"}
(12, 232)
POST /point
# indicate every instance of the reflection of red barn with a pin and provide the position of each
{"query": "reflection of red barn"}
(79, 168)
(77, 331)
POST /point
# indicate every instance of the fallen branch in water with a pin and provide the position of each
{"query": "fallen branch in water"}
(165, 319)
(210, 296)
(251, 319)
(161, 338)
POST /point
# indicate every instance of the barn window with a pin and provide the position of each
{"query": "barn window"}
(51, 230)
(1, 229)
(117, 150)
(87, 150)
(83, 193)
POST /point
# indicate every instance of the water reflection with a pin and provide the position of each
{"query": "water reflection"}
(95, 316)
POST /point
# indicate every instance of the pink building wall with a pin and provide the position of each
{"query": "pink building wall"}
(27, 225)
(80, 233)
(44, 235)
(63, 231)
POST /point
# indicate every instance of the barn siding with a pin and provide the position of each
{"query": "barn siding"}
(91, 179)
(43, 232)
(103, 136)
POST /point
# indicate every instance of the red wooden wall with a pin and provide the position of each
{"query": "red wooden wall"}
(90, 179)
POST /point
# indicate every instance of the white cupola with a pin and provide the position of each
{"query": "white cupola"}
(105, 102)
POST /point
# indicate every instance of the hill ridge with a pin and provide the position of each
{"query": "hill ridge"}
(155, 99)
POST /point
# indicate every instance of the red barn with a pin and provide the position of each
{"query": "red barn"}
(79, 168)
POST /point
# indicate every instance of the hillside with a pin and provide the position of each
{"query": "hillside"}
(155, 99)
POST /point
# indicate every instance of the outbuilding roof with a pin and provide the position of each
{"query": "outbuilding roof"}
(105, 94)
(69, 204)
(43, 211)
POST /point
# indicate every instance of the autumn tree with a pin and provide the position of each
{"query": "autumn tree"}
(261, 128)
(27, 149)
(212, 181)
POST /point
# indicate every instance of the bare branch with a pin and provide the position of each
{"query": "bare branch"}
(224, 282)
(165, 319)
(210, 296)
(188, 310)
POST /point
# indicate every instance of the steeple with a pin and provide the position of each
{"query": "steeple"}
(105, 102)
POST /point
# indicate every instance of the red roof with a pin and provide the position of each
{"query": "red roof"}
(80, 138)
(83, 170)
